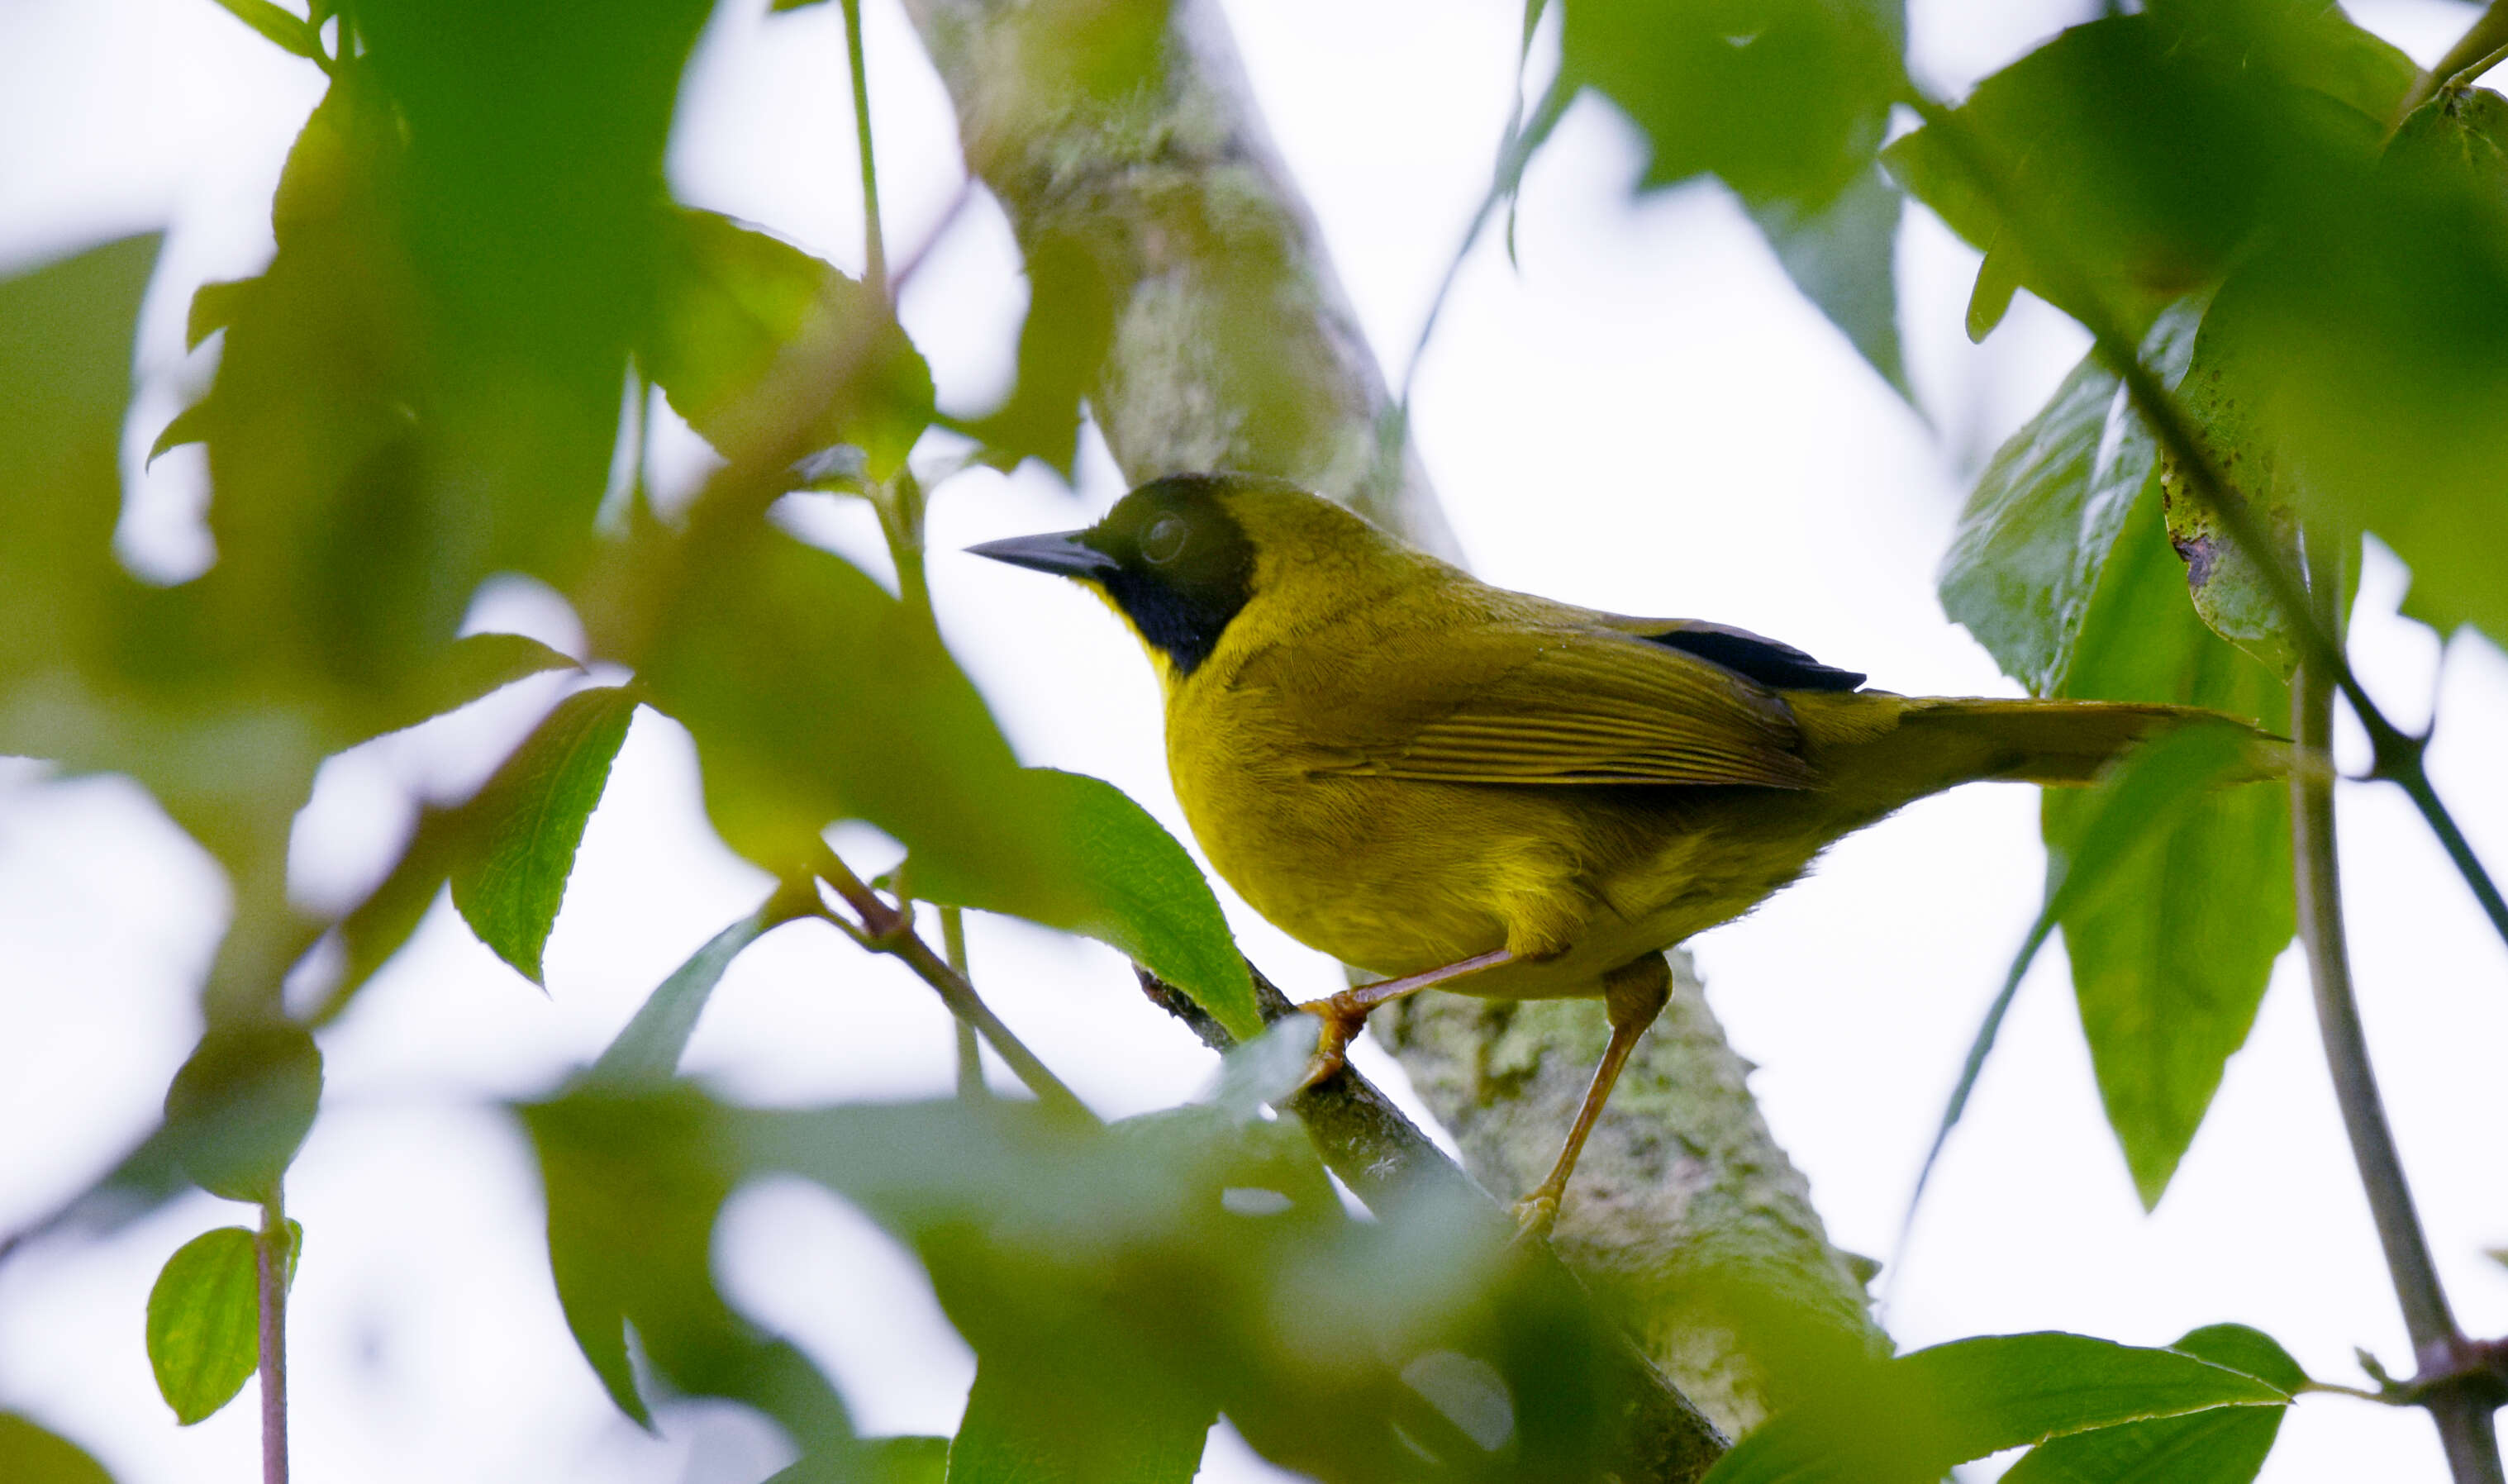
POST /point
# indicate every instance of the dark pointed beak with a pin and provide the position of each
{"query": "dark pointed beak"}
(1060, 552)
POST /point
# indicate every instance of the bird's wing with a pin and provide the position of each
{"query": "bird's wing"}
(1532, 703)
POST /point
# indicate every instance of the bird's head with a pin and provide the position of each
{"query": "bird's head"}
(1181, 557)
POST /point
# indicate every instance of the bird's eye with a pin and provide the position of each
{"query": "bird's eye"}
(1163, 539)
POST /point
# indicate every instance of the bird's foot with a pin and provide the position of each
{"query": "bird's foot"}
(1535, 1215)
(1341, 1021)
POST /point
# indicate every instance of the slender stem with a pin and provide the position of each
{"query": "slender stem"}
(271, 1253)
(2474, 53)
(2462, 1416)
(2399, 757)
(971, 1051)
(874, 251)
(884, 929)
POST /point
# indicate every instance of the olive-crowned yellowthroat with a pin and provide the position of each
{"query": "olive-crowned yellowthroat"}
(1455, 785)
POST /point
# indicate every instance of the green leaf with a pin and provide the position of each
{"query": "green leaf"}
(289, 32)
(239, 1107)
(1843, 256)
(1033, 1426)
(529, 820)
(2222, 395)
(815, 697)
(1920, 1414)
(1071, 296)
(204, 1322)
(2374, 331)
(735, 301)
(214, 307)
(464, 670)
(1113, 1260)
(1785, 99)
(1139, 891)
(2224, 1446)
(189, 426)
(31, 1454)
(2153, 151)
(633, 1188)
(871, 1460)
(2103, 856)
(646, 1050)
(2171, 960)
(528, 217)
(2042, 521)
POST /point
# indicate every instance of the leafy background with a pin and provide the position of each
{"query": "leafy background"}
(1646, 416)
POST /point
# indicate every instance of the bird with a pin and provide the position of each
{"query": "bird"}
(1452, 785)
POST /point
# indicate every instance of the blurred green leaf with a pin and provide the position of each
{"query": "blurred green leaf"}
(290, 32)
(529, 820)
(816, 696)
(633, 1189)
(204, 1322)
(2226, 1445)
(2101, 871)
(2171, 960)
(1843, 257)
(734, 299)
(533, 229)
(2042, 521)
(1072, 292)
(1117, 1260)
(1035, 1426)
(646, 1050)
(2154, 151)
(871, 1460)
(1916, 1416)
(32, 1454)
(67, 332)
(462, 672)
(2375, 331)
(1785, 99)
(239, 1107)
(213, 309)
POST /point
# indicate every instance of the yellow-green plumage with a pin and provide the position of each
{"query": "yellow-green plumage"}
(1406, 767)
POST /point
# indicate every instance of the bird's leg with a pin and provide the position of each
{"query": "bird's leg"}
(1343, 1014)
(1634, 994)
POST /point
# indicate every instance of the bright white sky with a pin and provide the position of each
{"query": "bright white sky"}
(1645, 417)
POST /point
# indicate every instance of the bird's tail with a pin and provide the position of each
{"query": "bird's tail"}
(1936, 742)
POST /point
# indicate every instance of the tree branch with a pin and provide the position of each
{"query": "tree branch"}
(1388, 1163)
(1234, 347)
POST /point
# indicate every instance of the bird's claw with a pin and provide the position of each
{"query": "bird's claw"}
(1332, 1045)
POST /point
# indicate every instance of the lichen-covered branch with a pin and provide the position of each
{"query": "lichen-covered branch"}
(1229, 344)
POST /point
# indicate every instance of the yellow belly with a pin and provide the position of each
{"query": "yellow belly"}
(1395, 876)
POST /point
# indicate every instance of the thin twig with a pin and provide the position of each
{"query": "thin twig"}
(874, 251)
(2463, 1420)
(2475, 52)
(970, 1050)
(932, 239)
(886, 929)
(272, 1250)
